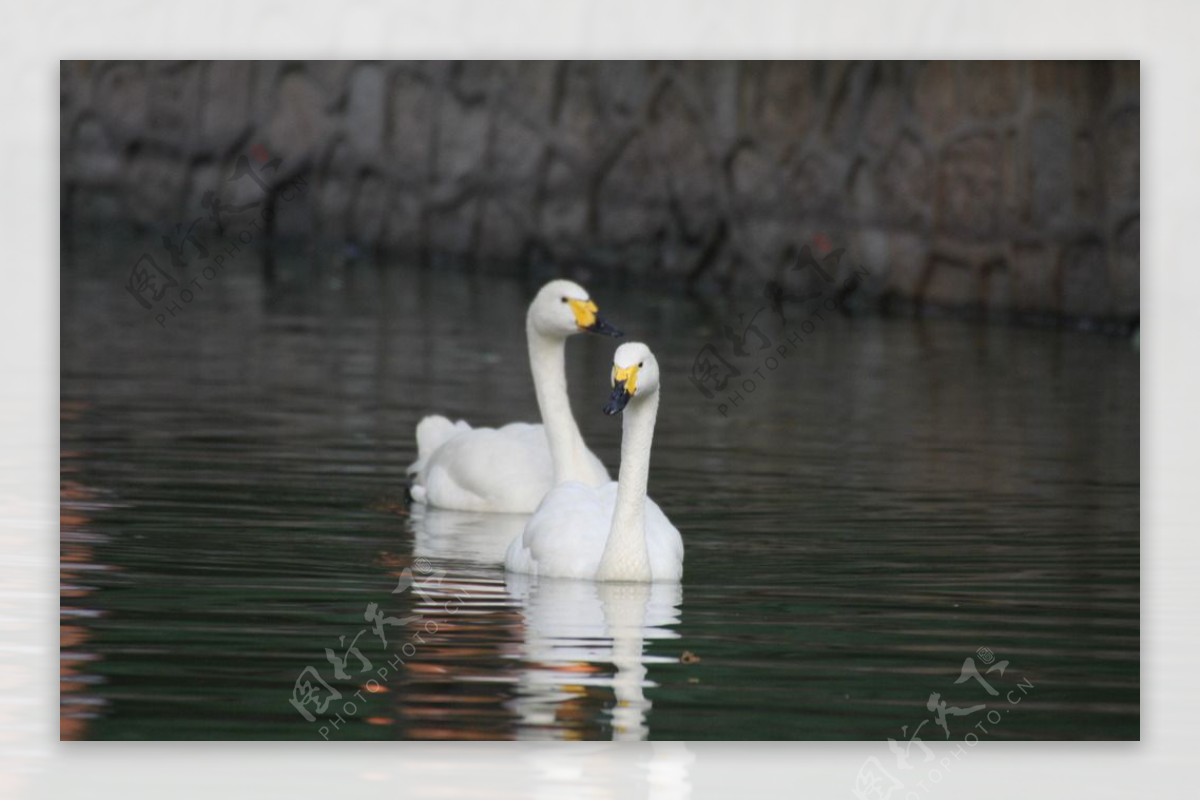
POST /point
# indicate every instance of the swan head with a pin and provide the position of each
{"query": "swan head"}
(562, 308)
(634, 375)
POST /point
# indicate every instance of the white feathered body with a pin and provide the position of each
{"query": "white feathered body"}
(566, 536)
(507, 469)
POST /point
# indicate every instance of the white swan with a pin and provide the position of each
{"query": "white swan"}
(510, 469)
(613, 532)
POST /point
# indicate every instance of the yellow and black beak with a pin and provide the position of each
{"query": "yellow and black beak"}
(624, 380)
(588, 318)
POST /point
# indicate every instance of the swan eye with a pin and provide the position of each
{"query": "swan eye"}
(641, 365)
(564, 299)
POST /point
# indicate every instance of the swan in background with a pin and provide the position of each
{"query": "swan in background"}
(510, 469)
(612, 532)
(584, 634)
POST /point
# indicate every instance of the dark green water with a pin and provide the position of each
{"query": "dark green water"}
(893, 497)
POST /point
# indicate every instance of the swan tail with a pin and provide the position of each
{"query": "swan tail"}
(432, 433)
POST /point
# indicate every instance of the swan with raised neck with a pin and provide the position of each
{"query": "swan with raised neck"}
(546, 331)
(613, 532)
(510, 469)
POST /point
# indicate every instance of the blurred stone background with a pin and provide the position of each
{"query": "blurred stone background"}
(1002, 187)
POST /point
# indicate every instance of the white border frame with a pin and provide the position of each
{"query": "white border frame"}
(33, 39)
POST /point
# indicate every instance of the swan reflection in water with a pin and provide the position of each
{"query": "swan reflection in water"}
(447, 535)
(570, 653)
(582, 637)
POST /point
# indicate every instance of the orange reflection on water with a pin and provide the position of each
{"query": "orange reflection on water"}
(77, 703)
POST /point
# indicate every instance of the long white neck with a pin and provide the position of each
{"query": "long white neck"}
(626, 557)
(547, 357)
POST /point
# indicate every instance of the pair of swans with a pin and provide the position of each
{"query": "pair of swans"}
(584, 525)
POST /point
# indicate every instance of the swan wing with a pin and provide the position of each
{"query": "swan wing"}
(565, 537)
(664, 544)
(506, 469)
(432, 433)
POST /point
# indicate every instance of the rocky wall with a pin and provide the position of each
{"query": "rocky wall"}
(1006, 186)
